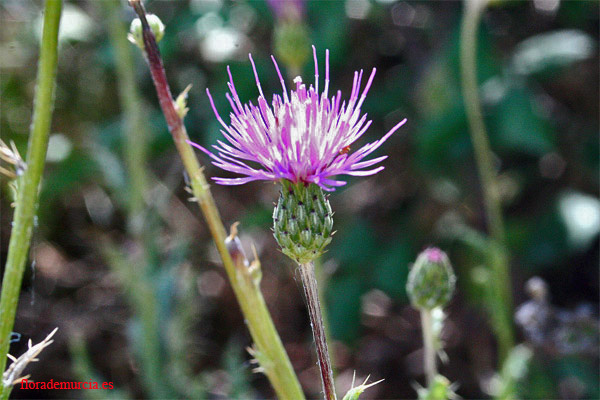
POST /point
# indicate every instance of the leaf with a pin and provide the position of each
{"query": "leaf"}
(518, 127)
(550, 51)
(355, 392)
(440, 389)
(343, 309)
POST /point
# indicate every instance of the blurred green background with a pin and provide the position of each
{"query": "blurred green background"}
(538, 69)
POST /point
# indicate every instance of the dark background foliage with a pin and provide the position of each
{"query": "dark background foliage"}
(538, 69)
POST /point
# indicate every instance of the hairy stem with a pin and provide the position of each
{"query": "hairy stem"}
(29, 187)
(487, 173)
(276, 363)
(322, 281)
(428, 346)
(311, 291)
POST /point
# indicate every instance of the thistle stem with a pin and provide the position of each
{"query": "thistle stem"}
(428, 346)
(275, 362)
(29, 187)
(135, 273)
(311, 291)
(322, 280)
(484, 159)
(135, 127)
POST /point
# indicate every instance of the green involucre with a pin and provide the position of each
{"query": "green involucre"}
(430, 282)
(302, 221)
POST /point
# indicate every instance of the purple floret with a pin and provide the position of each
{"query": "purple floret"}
(303, 137)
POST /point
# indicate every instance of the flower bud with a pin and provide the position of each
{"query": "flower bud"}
(292, 44)
(431, 280)
(135, 30)
(302, 221)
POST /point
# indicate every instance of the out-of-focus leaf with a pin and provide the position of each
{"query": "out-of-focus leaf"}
(111, 168)
(392, 270)
(365, 262)
(329, 22)
(238, 372)
(547, 243)
(539, 384)
(578, 375)
(69, 177)
(258, 216)
(354, 247)
(84, 371)
(343, 308)
(572, 377)
(550, 51)
(440, 389)
(517, 127)
(514, 370)
(443, 142)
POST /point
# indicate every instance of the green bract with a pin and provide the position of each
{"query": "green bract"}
(135, 35)
(302, 221)
(431, 280)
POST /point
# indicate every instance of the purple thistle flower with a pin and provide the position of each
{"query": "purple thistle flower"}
(303, 137)
(287, 9)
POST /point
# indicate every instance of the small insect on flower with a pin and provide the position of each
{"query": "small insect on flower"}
(345, 150)
(304, 136)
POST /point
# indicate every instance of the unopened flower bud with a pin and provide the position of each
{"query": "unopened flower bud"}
(302, 221)
(135, 30)
(292, 44)
(431, 280)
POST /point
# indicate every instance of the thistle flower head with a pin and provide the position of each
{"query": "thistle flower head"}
(431, 280)
(304, 136)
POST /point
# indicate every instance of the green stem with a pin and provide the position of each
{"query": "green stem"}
(142, 297)
(136, 147)
(428, 346)
(276, 363)
(311, 292)
(487, 173)
(28, 194)
(322, 281)
(139, 287)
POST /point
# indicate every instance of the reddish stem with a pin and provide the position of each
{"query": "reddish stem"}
(309, 282)
(159, 77)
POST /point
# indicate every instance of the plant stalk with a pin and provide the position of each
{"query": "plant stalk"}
(29, 187)
(487, 174)
(428, 346)
(136, 146)
(137, 282)
(322, 281)
(276, 364)
(311, 291)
